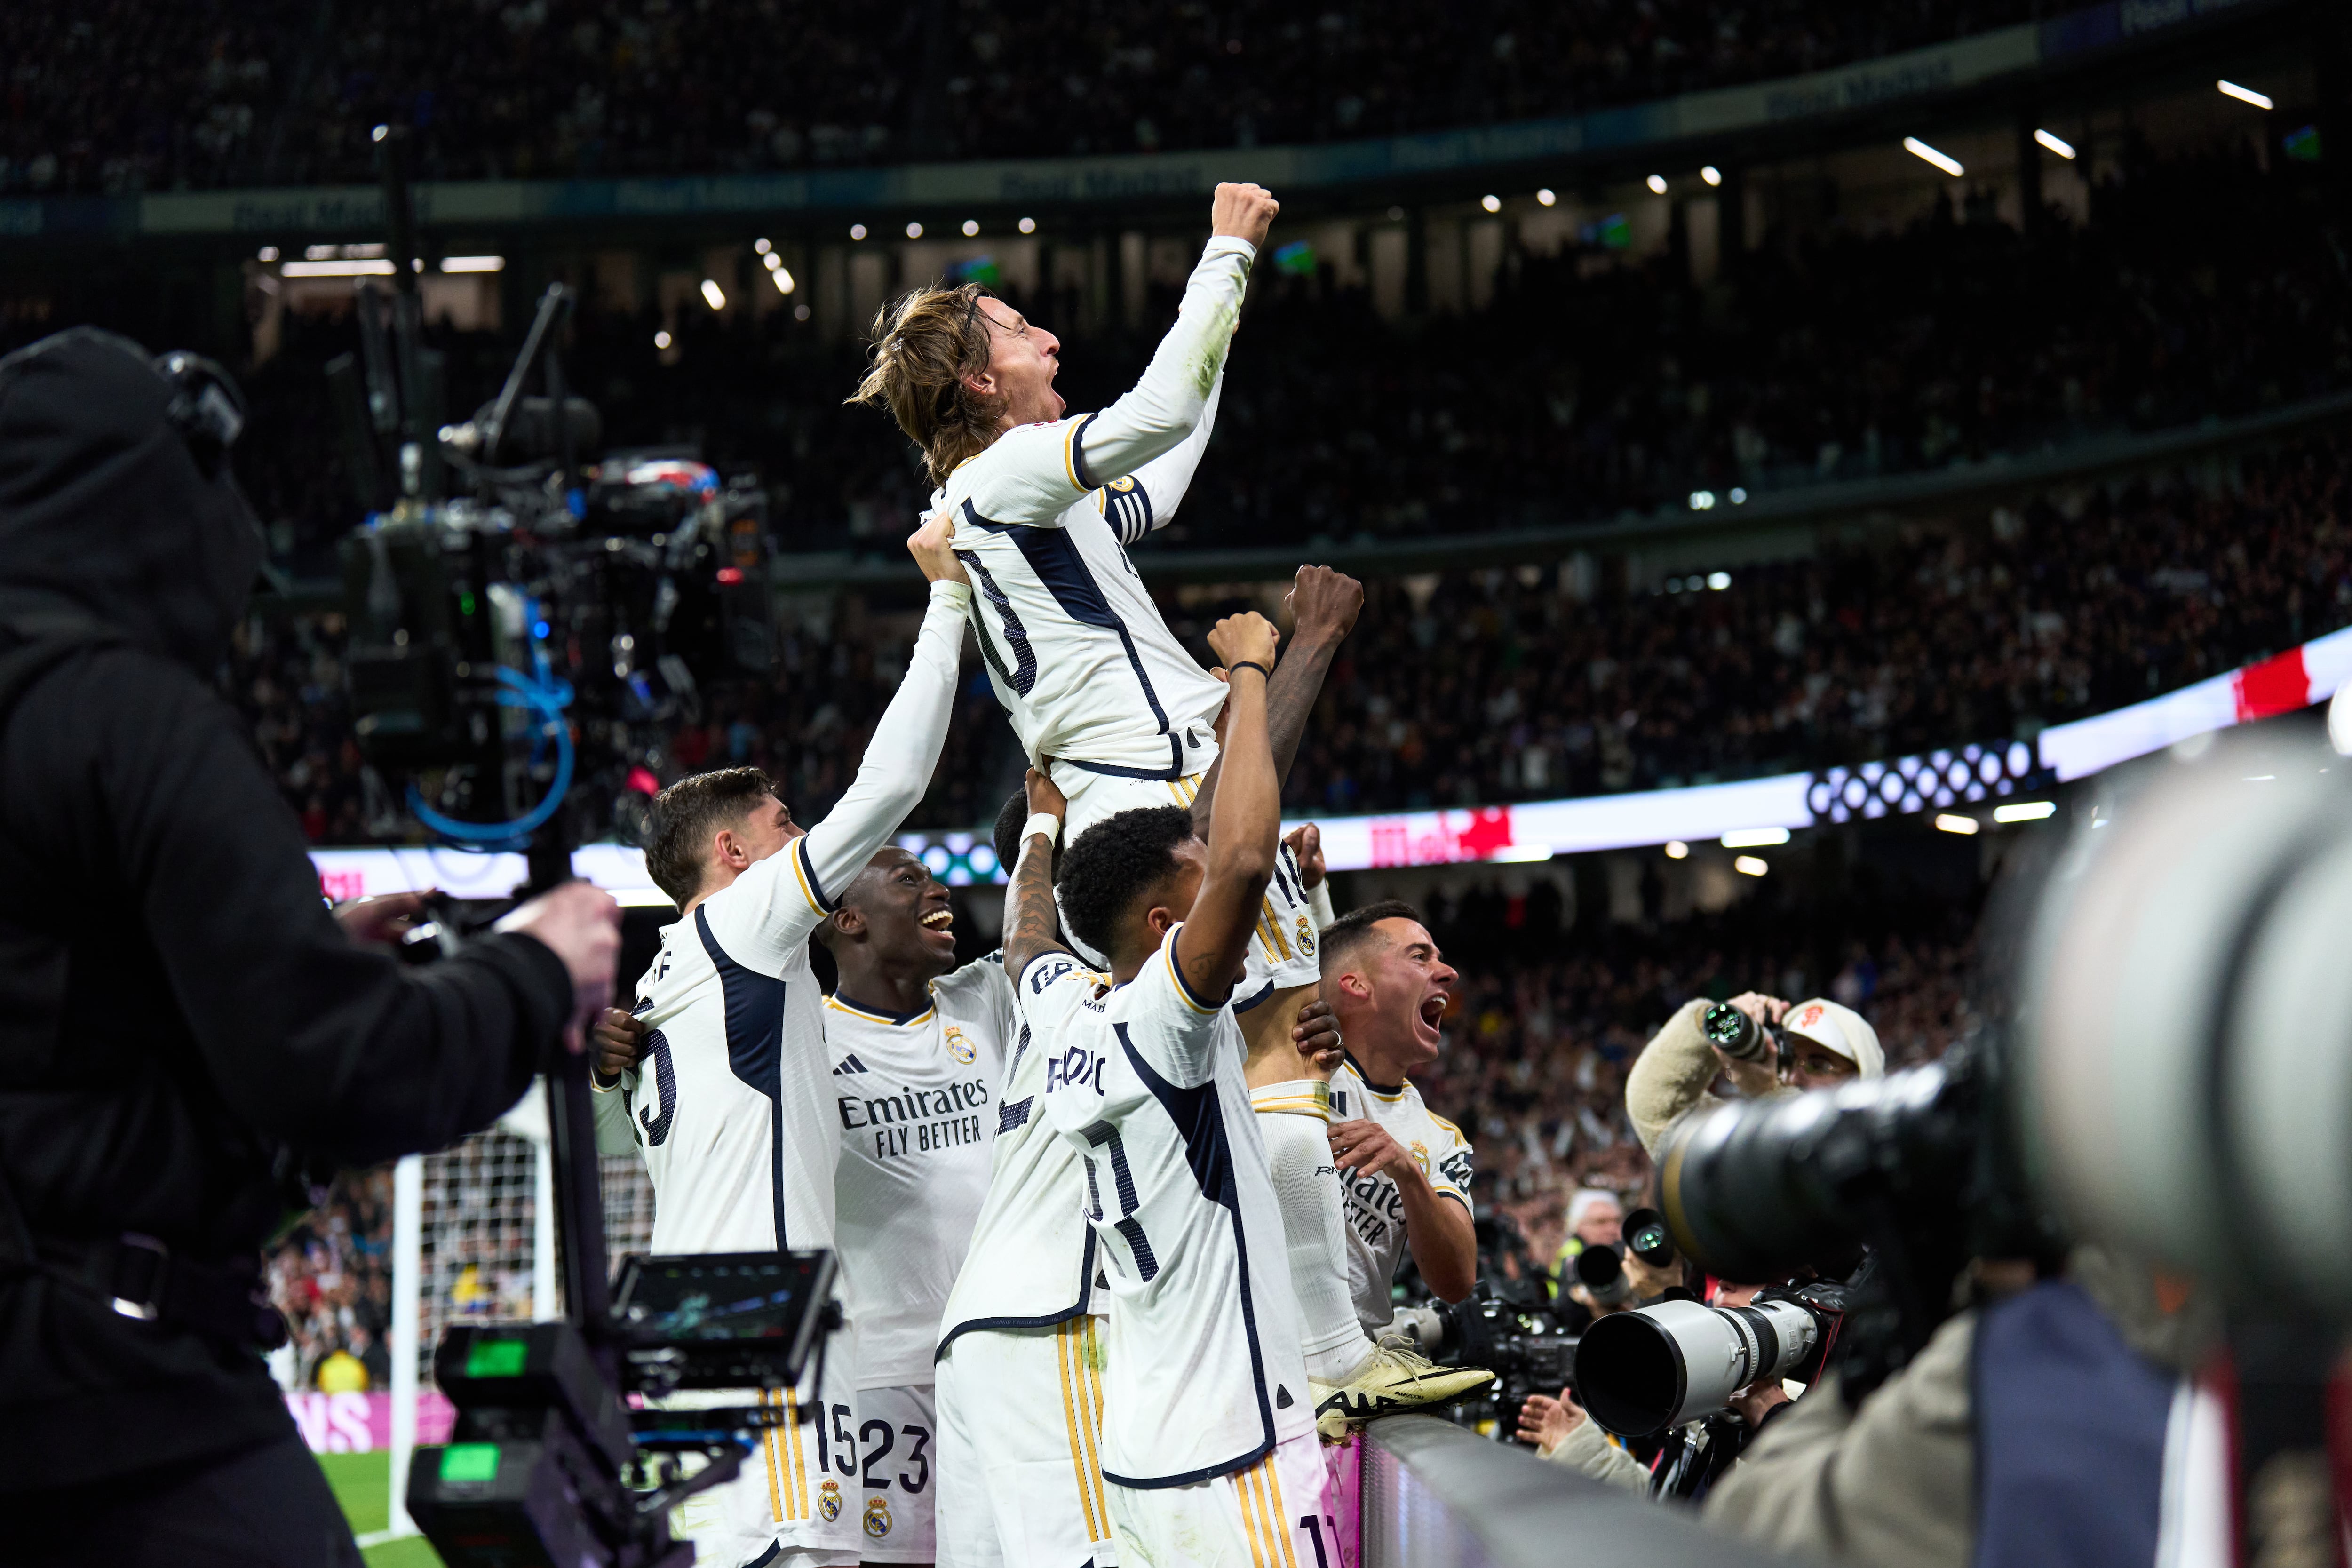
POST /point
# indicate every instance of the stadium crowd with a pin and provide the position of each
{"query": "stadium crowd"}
(2072, 604)
(287, 93)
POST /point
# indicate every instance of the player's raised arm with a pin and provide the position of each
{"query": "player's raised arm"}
(1167, 405)
(1032, 923)
(1245, 830)
(1036, 472)
(1324, 604)
(811, 872)
(1159, 484)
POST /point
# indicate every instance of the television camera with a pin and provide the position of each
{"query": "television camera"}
(521, 618)
(524, 617)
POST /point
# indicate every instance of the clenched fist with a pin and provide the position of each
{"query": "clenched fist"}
(1242, 211)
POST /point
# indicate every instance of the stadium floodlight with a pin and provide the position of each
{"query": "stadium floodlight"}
(970, 227)
(2243, 94)
(375, 269)
(1719, 581)
(772, 262)
(1493, 204)
(1750, 865)
(1546, 197)
(473, 264)
(712, 295)
(762, 246)
(785, 284)
(914, 231)
(1738, 496)
(1943, 161)
(2063, 148)
(1755, 838)
(661, 340)
(1028, 225)
(267, 253)
(380, 132)
(1702, 500)
(857, 231)
(1952, 822)
(1657, 183)
(1711, 174)
(2025, 811)
(1676, 850)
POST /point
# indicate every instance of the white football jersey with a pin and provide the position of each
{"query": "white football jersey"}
(1031, 1262)
(1376, 1235)
(1206, 1369)
(1077, 651)
(731, 1103)
(916, 1099)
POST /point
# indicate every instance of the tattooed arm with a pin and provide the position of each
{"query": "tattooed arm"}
(1324, 604)
(1032, 923)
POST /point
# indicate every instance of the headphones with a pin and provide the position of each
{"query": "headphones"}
(207, 408)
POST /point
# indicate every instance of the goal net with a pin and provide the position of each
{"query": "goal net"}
(474, 1242)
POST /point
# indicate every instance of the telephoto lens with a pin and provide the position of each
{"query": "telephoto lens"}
(1601, 1271)
(1734, 1034)
(1642, 1372)
(1646, 1238)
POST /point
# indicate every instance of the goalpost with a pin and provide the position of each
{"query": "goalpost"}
(473, 1240)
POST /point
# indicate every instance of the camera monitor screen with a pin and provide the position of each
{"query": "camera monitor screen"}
(735, 1320)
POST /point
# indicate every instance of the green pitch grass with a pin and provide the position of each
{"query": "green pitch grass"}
(362, 1484)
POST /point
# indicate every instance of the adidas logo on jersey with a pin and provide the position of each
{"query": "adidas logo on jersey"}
(848, 1065)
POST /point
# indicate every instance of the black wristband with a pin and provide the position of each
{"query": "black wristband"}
(1251, 663)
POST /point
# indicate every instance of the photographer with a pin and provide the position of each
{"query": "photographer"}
(1811, 1045)
(187, 1033)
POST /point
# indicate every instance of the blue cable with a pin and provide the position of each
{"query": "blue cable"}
(544, 694)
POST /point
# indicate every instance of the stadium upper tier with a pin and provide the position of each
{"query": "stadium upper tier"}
(1586, 385)
(111, 97)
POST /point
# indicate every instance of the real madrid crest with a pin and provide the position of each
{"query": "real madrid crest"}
(1421, 1155)
(1123, 485)
(828, 1500)
(877, 1517)
(960, 1047)
(1305, 937)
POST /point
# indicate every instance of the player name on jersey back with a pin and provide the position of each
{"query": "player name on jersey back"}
(1205, 1374)
(1031, 1258)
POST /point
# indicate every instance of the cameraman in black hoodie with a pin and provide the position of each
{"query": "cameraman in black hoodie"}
(183, 1027)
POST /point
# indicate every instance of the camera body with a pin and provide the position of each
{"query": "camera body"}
(492, 644)
(1512, 1333)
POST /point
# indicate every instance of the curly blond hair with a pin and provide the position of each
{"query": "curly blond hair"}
(925, 343)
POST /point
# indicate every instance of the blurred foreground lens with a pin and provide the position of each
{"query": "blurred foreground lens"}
(2188, 1013)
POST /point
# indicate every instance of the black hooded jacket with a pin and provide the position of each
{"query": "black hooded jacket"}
(177, 1008)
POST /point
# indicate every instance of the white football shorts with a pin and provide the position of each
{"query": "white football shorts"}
(898, 1457)
(1020, 1414)
(1273, 1515)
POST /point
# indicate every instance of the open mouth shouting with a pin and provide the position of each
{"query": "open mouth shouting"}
(1429, 1026)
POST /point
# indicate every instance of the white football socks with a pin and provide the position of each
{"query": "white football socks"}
(1314, 1225)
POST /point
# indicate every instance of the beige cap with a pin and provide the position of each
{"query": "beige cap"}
(1834, 1027)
